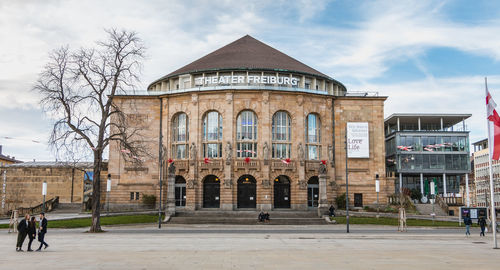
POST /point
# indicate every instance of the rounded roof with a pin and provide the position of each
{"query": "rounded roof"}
(246, 53)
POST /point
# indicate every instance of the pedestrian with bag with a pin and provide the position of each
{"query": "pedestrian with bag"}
(22, 231)
(42, 231)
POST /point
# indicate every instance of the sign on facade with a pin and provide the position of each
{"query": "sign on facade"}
(358, 140)
(239, 79)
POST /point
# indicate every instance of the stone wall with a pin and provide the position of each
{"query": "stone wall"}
(24, 185)
(145, 178)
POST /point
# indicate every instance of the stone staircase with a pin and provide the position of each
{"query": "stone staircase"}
(426, 209)
(247, 218)
(63, 208)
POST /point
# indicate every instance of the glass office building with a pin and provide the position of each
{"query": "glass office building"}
(421, 148)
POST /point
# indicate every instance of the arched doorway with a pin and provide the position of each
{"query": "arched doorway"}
(180, 191)
(282, 192)
(313, 192)
(211, 192)
(247, 192)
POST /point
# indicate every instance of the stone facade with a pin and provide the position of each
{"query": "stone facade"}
(23, 185)
(333, 111)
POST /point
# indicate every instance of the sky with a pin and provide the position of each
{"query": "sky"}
(426, 56)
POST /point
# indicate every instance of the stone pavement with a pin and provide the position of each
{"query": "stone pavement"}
(255, 247)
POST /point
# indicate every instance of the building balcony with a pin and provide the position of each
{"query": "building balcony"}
(211, 165)
(280, 165)
(243, 165)
(312, 165)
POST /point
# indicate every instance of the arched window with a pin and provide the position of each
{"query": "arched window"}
(180, 136)
(212, 135)
(313, 137)
(282, 135)
(246, 134)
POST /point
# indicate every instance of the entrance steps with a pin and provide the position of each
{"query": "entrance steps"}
(426, 209)
(68, 208)
(247, 217)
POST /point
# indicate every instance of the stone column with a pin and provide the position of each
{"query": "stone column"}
(170, 209)
(323, 201)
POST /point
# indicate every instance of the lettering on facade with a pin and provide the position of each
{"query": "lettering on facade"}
(250, 79)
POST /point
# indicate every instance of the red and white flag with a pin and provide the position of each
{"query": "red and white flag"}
(493, 119)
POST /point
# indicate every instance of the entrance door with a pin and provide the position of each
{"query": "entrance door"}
(180, 191)
(247, 195)
(358, 199)
(312, 192)
(282, 192)
(211, 192)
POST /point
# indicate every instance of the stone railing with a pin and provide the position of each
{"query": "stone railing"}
(211, 165)
(49, 206)
(181, 165)
(312, 165)
(242, 164)
(442, 203)
(280, 165)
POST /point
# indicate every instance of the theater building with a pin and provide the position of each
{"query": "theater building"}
(249, 127)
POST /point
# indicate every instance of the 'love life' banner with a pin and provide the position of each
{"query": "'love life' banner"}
(358, 140)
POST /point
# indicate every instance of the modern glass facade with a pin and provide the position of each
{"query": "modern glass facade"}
(425, 148)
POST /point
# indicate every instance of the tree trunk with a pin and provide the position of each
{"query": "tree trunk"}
(96, 194)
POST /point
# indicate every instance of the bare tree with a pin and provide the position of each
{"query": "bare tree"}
(78, 89)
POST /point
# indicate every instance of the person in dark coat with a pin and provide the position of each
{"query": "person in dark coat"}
(42, 231)
(332, 211)
(22, 231)
(468, 223)
(482, 224)
(261, 217)
(31, 232)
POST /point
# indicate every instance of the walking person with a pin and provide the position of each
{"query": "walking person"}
(468, 223)
(42, 231)
(482, 224)
(22, 231)
(31, 232)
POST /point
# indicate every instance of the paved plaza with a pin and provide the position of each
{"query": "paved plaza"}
(255, 247)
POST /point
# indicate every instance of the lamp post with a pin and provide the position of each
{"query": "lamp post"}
(44, 193)
(377, 189)
(433, 199)
(108, 189)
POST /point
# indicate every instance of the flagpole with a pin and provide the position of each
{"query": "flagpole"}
(490, 150)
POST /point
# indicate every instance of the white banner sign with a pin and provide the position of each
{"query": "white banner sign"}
(358, 140)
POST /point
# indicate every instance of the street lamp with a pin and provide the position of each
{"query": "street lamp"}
(433, 199)
(377, 189)
(44, 193)
(108, 189)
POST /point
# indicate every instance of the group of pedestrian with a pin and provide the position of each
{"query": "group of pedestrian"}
(481, 221)
(28, 227)
(264, 217)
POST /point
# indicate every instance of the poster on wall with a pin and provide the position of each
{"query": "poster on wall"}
(358, 140)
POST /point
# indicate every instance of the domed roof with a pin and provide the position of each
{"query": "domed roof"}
(246, 53)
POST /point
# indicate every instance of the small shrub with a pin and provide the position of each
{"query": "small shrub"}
(149, 200)
(415, 194)
(340, 200)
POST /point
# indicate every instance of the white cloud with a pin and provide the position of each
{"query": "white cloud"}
(441, 95)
